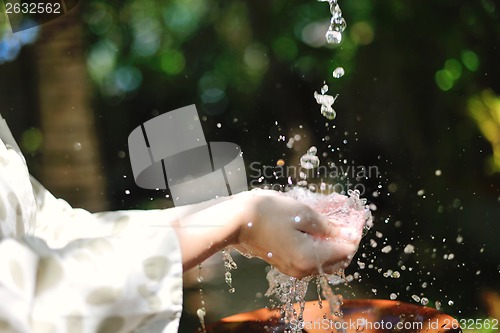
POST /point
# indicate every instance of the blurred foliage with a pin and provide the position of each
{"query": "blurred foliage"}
(4, 21)
(219, 42)
(485, 109)
(31, 140)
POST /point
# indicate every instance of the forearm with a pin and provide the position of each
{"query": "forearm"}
(203, 233)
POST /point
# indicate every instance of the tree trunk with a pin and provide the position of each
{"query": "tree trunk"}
(71, 166)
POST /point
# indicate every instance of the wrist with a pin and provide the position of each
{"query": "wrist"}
(240, 207)
(247, 217)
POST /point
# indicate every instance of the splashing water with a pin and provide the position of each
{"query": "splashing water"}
(333, 36)
(288, 291)
(341, 211)
(326, 102)
(229, 265)
(337, 23)
(338, 72)
(201, 312)
(309, 160)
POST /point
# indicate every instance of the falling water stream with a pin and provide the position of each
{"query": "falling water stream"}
(342, 210)
(349, 210)
(289, 290)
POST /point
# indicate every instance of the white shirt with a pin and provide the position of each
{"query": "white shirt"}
(65, 270)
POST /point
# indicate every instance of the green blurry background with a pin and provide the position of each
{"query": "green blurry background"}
(420, 101)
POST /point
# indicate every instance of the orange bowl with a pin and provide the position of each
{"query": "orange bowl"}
(367, 316)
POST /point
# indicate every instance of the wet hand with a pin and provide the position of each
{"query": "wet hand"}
(292, 237)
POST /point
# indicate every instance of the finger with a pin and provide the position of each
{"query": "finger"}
(335, 268)
(310, 222)
(329, 253)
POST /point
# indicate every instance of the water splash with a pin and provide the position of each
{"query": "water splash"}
(288, 291)
(333, 36)
(309, 160)
(341, 210)
(229, 265)
(201, 312)
(326, 102)
(338, 72)
(337, 23)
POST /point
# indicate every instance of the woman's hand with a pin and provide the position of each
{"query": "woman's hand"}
(292, 237)
(288, 234)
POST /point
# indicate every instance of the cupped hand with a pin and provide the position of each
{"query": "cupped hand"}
(292, 237)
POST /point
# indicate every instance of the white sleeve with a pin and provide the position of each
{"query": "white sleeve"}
(74, 271)
(104, 272)
(58, 223)
(130, 282)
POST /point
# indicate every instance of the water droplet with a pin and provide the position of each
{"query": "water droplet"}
(328, 113)
(420, 193)
(333, 36)
(326, 102)
(312, 150)
(201, 312)
(270, 255)
(302, 183)
(77, 146)
(309, 161)
(201, 315)
(127, 192)
(424, 301)
(393, 296)
(219, 125)
(460, 239)
(450, 303)
(409, 249)
(249, 224)
(416, 298)
(386, 249)
(232, 290)
(324, 89)
(296, 219)
(229, 265)
(438, 173)
(338, 72)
